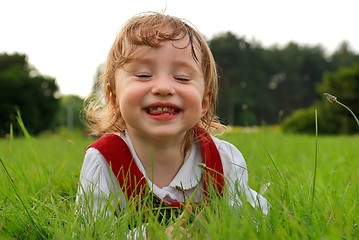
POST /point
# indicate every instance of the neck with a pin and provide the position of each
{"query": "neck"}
(161, 159)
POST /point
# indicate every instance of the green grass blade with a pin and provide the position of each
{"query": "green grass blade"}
(315, 159)
(11, 137)
(12, 184)
(30, 145)
(275, 166)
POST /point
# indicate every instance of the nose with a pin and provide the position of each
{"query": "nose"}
(163, 86)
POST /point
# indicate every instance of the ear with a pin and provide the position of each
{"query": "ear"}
(206, 102)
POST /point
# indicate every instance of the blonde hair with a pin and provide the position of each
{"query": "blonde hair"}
(149, 29)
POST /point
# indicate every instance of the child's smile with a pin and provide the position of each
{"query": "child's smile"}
(160, 94)
(162, 111)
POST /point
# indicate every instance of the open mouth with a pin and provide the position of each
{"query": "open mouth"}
(162, 111)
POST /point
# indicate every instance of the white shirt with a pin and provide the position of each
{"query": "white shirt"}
(98, 181)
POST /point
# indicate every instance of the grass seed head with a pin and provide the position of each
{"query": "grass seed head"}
(330, 97)
(202, 166)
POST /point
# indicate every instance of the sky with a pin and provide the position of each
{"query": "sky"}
(69, 39)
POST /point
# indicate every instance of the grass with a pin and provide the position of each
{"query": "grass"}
(37, 201)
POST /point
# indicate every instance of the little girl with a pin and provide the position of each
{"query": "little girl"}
(160, 84)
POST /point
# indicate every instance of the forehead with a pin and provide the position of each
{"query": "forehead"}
(184, 44)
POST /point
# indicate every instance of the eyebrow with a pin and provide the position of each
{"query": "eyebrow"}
(178, 64)
(191, 67)
(137, 62)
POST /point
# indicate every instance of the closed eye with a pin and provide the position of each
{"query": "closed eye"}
(143, 75)
(182, 79)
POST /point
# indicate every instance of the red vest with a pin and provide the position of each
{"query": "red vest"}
(133, 182)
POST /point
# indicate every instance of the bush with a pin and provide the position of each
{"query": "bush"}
(301, 121)
(332, 119)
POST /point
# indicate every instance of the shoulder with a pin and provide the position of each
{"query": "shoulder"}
(94, 163)
(99, 152)
(112, 146)
(228, 150)
(107, 141)
(231, 157)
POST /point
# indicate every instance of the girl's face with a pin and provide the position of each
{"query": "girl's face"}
(160, 95)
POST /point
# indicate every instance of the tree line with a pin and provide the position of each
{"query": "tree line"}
(257, 86)
(264, 85)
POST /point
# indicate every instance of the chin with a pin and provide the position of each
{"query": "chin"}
(167, 133)
(164, 135)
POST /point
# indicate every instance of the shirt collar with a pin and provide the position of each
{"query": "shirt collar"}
(188, 176)
(190, 173)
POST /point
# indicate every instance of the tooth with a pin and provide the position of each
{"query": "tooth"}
(166, 114)
(159, 109)
(165, 109)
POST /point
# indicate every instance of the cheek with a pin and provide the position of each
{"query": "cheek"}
(195, 101)
(128, 101)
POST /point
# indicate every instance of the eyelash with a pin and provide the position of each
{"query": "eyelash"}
(182, 79)
(145, 76)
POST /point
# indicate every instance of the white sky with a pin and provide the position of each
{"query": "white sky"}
(68, 39)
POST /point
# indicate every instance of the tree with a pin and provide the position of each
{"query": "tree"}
(225, 50)
(239, 84)
(343, 56)
(24, 89)
(344, 84)
(257, 85)
(299, 69)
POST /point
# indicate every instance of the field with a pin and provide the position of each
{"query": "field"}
(39, 184)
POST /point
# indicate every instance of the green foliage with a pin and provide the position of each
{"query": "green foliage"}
(256, 85)
(333, 118)
(242, 80)
(24, 89)
(302, 120)
(302, 67)
(343, 56)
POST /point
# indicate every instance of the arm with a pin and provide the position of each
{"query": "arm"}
(98, 191)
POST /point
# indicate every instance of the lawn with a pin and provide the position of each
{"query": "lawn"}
(38, 200)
